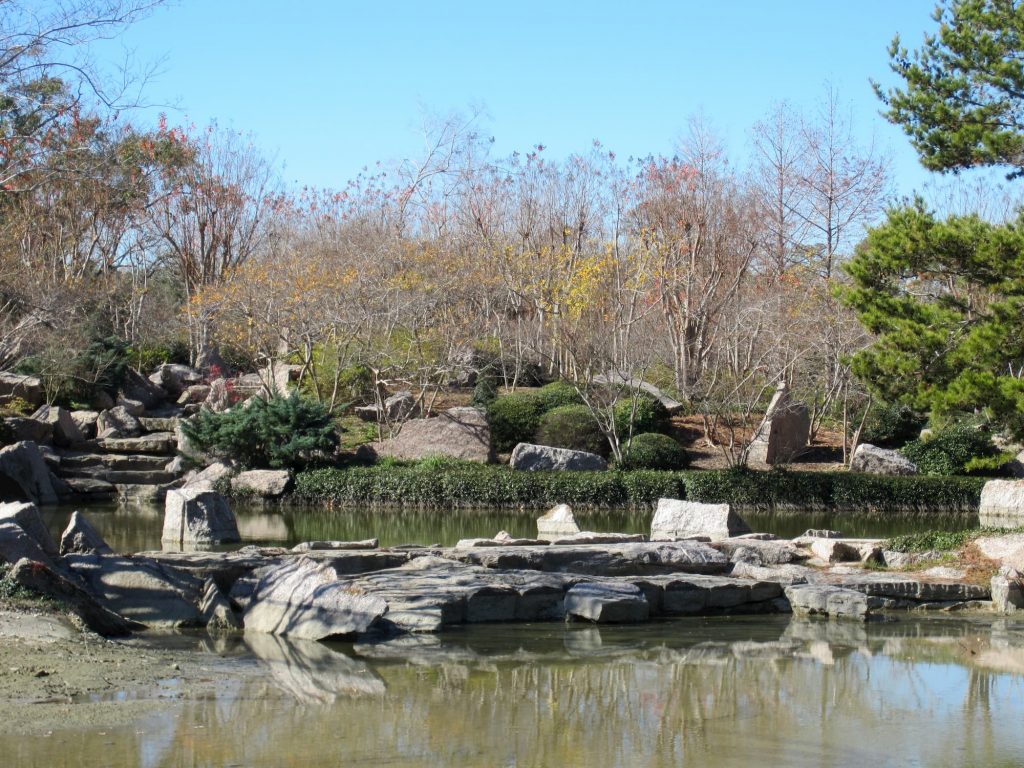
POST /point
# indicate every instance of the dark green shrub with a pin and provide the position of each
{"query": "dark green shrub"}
(650, 450)
(572, 426)
(102, 365)
(146, 357)
(891, 425)
(514, 419)
(556, 394)
(486, 390)
(280, 432)
(646, 414)
(950, 451)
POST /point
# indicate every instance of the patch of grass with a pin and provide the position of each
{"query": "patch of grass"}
(942, 541)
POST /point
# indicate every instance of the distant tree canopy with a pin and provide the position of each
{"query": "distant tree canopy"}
(946, 298)
(962, 102)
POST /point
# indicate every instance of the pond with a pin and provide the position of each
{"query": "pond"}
(133, 528)
(739, 691)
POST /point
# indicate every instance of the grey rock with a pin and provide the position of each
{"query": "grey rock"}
(28, 388)
(135, 386)
(462, 433)
(881, 461)
(208, 477)
(558, 522)
(24, 475)
(757, 552)
(174, 378)
(158, 442)
(636, 385)
(216, 609)
(194, 395)
(117, 423)
(606, 603)
(90, 487)
(197, 517)
(335, 546)
(27, 516)
(398, 407)
(1007, 550)
(823, 600)
(835, 551)
(306, 599)
(1003, 498)
(676, 519)
(527, 457)
(783, 434)
(159, 423)
(24, 428)
(16, 544)
(176, 466)
(134, 407)
(595, 537)
(86, 422)
(265, 483)
(81, 536)
(781, 574)
(219, 398)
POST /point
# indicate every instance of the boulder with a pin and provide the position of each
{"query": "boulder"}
(265, 483)
(216, 609)
(81, 536)
(24, 475)
(557, 523)
(1006, 550)
(607, 603)
(527, 457)
(27, 388)
(823, 600)
(16, 544)
(1007, 590)
(1002, 499)
(303, 598)
(174, 378)
(676, 519)
(755, 552)
(65, 431)
(835, 551)
(219, 397)
(135, 386)
(141, 589)
(43, 580)
(27, 517)
(117, 423)
(197, 393)
(398, 407)
(208, 477)
(134, 407)
(86, 423)
(783, 434)
(873, 460)
(461, 433)
(197, 517)
(24, 428)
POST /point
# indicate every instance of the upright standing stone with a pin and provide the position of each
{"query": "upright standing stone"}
(65, 430)
(676, 519)
(783, 433)
(195, 516)
(557, 523)
(1002, 503)
(24, 475)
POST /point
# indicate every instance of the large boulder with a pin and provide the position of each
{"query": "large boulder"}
(557, 523)
(194, 395)
(676, 519)
(527, 457)
(461, 433)
(81, 536)
(873, 460)
(27, 388)
(607, 603)
(135, 386)
(86, 423)
(783, 434)
(207, 478)
(265, 483)
(1002, 501)
(16, 544)
(24, 428)
(24, 475)
(195, 517)
(65, 431)
(117, 423)
(174, 379)
(27, 517)
(304, 598)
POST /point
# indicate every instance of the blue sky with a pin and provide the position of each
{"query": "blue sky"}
(328, 87)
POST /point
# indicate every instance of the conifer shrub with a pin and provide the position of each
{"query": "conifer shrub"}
(282, 432)
(574, 427)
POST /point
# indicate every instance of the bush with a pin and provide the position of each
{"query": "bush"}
(892, 425)
(950, 451)
(574, 427)
(556, 394)
(279, 432)
(514, 419)
(647, 415)
(486, 390)
(650, 450)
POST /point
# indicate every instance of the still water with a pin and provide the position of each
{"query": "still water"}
(752, 691)
(133, 528)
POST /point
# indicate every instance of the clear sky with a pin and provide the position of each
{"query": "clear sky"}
(330, 86)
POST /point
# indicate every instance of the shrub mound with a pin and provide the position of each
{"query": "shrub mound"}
(650, 450)
(572, 426)
(891, 425)
(646, 414)
(955, 451)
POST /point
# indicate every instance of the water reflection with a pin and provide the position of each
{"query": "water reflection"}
(137, 527)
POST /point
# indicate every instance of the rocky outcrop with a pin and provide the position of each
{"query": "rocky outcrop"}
(306, 599)
(264, 483)
(194, 517)
(834, 602)
(873, 460)
(24, 475)
(461, 433)
(527, 457)
(677, 519)
(174, 379)
(557, 523)
(117, 423)
(81, 536)
(783, 434)
(27, 388)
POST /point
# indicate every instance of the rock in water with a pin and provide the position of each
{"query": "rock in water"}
(606, 603)
(880, 461)
(557, 523)
(527, 457)
(304, 598)
(265, 483)
(676, 519)
(81, 536)
(1002, 500)
(194, 516)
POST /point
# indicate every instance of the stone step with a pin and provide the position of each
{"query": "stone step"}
(120, 477)
(91, 487)
(159, 424)
(159, 442)
(119, 461)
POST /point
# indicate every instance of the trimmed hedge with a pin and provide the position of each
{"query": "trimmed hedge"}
(495, 486)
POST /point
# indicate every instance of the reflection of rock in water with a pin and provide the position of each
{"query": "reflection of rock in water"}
(312, 672)
(262, 527)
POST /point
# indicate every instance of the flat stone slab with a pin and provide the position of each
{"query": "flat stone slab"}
(158, 442)
(605, 603)
(905, 587)
(334, 546)
(831, 601)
